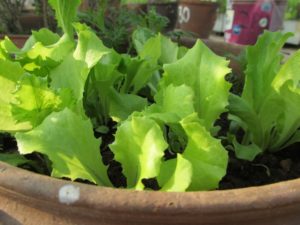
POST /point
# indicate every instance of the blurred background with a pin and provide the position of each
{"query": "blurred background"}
(232, 21)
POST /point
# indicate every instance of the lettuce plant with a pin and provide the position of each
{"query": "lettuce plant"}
(268, 108)
(58, 92)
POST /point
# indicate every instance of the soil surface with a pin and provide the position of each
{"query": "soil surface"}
(265, 169)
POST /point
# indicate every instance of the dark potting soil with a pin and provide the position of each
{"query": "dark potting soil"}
(265, 169)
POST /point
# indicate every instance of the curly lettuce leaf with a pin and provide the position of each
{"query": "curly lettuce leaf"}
(137, 74)
(72, 74)
(263, 63)
(159, 48)
(139, 146)
(10, 73)
(268, 110)
(175, 174)
(206, 154)
(286, 83)
(45, 36)
(68, 140)
(204, 72)
(43, 100)
(90, 48)
(172, 104)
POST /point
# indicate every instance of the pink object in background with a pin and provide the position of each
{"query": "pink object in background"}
(247, 19)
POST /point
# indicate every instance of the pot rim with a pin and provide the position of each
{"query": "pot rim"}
(199, 2)
(29, 185)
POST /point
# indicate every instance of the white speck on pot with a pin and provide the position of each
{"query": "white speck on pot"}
(68, 194)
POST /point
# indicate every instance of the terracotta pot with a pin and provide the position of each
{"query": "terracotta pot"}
(30, 21)
(169, 10)
(18, 39)
(197, 16)
(137, 8)
(27, 198)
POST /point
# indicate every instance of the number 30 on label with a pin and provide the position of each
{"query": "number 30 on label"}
(184, 14)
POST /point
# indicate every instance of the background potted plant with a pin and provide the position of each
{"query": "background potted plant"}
(10, 21)
(292, 21)
(219, 26)
(166, 8)
(114, 24)
(19, 17)
(197, 16)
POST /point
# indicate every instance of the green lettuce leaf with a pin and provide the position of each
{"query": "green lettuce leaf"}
(207, 156)
(139, 146)
(263, 63)
(10, 73)
(159, 49)
(65, 14)
(43, 101)
(268, 110)
(172, 104)
(204, 72)
(56, 52)
(175, 174)
(72, 74)
(13, 159)
(68, 140)
(121, 106)
(90, 48)
(137, 74)
(45, 36)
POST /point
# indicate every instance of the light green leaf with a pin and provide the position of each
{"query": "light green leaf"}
(90, 48)
(263, 63)
(8, 46)
(159, 49)
(288, 72)
(69, 142)
(140, 37)
(35, 100)
(206, 154)
(246, 115)
(123, 105)
(56, 52)
(137, 74)
(246, 152)
(175, 175)
(204, 72)
(65, 14)
(45, 36)
(139, 146)
(72, 74)
(172, 104)
(151, 50)
(269, 105)
(10, 73)
(290, 118)
(100, 85)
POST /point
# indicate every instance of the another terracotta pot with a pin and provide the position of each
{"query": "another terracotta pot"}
(197, 16)
(138, 8)
(18, 39)
(169, 10)
(31, 199)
